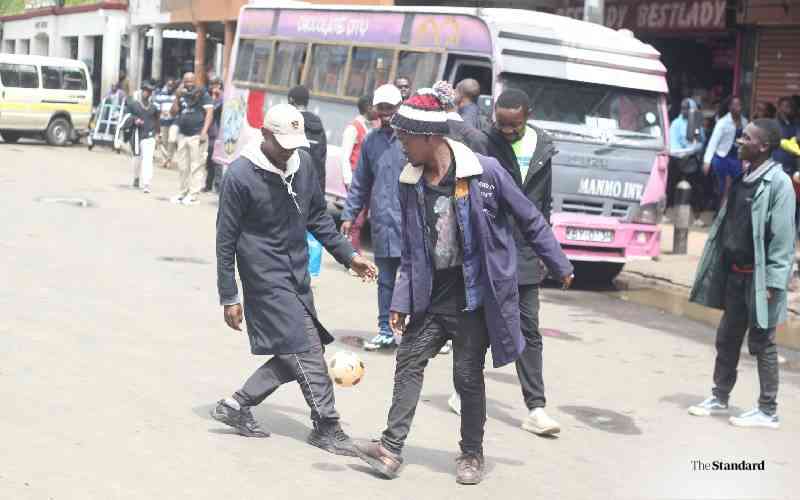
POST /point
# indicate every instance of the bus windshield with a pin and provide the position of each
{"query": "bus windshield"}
(591, 112)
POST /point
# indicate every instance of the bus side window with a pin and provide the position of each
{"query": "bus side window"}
(327, 69)
(287, 71)
(421, 67)
(252, 61)
(74, 79)
(28, 77)
(369, 69)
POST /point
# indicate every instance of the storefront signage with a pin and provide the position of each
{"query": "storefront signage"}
(42, 4)
(256, 22)
(341, 26)
(658, 16)
(41, 25)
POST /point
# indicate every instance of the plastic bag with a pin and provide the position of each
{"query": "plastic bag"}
(314, 255)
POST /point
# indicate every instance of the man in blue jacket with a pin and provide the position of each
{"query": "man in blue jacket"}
(457, 278)
(375, 184)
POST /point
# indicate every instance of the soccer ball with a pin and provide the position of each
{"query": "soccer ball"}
(346, 368)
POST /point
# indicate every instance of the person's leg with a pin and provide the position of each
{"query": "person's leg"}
(730, 335)
(421, 342)
(210, 167)
(529, 364)
(761, 344)
(137, 170)
(148, 149)
(387, 273)
(197, 153)
(182, 160)
(470, 342)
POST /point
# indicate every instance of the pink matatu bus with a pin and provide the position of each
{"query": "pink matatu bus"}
(599, 92)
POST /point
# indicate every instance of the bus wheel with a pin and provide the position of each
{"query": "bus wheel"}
(597, 272)
(58, 132)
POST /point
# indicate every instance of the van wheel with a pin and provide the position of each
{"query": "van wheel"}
(10, 137)
(58, 132)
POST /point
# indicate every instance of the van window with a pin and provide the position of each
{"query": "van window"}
(421, 68)
(58, 78)
(327, 68)
(252, 61)
(19, 75)
(369, 69)
(290, 58)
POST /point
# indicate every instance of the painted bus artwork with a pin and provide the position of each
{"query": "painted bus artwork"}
(599, 92)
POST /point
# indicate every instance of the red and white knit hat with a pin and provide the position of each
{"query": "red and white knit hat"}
(425, 113)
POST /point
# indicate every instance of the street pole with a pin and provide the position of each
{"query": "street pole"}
(594, 11)
(683, 215)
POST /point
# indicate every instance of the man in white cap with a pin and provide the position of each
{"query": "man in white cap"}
(270, 197)
(375, 184)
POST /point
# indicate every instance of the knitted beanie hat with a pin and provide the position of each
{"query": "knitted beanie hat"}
(425, 113)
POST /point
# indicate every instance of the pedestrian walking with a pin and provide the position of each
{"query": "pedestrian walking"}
(745, 270)
(525, 152)
(721, 153)
(352, 140)
(467, 93)
(269, 199)
(146, 132)
(686, 148)
(213, 170)
(375, 186)
(457, 279)
(315, 132)
(165, 150)
(194, 111)
(787, 116)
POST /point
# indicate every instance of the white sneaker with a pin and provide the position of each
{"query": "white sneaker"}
(698, 222)
(710, 406)
(189, 200)
(177, 199)
(446, 348)
(756, 418)
(455, 403)
(539, 422)
(146, 190)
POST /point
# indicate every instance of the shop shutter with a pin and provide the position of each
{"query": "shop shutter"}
(777, 64)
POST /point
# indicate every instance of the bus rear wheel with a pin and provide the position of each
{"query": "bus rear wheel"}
(597, 272)
(58, 132)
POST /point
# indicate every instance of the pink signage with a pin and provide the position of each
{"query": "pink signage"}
(341, 26)
(256, 22)
(451, 32)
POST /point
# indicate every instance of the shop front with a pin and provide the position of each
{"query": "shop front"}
(697, 40)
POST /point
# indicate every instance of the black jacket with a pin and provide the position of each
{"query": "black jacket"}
(149, 116)
(537, 186)
(263, 233)
(315, 133)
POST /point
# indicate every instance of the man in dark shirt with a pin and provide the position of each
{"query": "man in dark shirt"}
(269, 200)
(787, 115)
(315, 132)
(146, 130)
(195, 112)
(745, 270)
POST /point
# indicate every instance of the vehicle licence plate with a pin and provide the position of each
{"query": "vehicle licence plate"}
(593, 235)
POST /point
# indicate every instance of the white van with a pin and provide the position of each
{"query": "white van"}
(44, 97)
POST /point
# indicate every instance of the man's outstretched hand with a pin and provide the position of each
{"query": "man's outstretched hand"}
(365, 269)
(234, 316)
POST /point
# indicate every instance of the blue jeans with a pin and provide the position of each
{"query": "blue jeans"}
(387, 272)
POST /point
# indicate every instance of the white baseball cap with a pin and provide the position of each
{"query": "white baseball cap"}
(287, 125)
(387, 94)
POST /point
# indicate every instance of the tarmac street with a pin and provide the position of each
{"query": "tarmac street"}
(113, 349)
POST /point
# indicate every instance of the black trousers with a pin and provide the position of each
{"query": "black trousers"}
(423, 339)
(736, 322)
(307, 368)
(529, 364)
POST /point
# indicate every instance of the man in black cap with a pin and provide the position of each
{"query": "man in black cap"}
(144, 134)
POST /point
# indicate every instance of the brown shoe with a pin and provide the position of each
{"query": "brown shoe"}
(379, 458)
(469, 468)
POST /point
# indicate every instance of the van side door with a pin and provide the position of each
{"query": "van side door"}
(20, 95)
